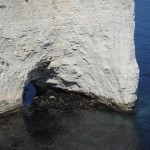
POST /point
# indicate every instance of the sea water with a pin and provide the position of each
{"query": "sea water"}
(90, 129)
(142, 43)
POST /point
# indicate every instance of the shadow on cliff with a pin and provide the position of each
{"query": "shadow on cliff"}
(36, 82)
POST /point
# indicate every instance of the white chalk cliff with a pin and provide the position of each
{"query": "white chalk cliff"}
(85, 46)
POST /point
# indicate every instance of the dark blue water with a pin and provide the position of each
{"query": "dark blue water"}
(142, 43)
(29, 94)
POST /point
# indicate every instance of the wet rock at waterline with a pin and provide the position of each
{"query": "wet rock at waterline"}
(62, 100)
(81, 46)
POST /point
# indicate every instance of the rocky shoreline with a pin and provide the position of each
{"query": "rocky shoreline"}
(55, 98)
(65, 100)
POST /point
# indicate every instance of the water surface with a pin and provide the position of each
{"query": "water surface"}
(69, 130)
(142, 43)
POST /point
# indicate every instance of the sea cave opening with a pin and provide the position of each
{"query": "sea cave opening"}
(36, 83)
(30, 92)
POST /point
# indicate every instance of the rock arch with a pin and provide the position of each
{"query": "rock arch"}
(89, 44)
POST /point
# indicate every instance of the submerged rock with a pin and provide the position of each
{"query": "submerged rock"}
(81, 46)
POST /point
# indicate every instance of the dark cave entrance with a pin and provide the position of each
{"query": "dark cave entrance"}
(42, 92)
(36, 83)
(30, 92)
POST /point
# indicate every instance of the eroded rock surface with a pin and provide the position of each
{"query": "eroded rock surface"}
(86, 46)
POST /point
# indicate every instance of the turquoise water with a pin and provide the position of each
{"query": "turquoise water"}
(89, 129)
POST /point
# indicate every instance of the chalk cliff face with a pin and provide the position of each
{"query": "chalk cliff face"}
(85, 46)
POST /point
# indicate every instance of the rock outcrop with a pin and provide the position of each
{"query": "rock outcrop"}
(86, 46)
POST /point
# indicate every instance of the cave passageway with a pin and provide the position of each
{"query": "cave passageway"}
(29, 93)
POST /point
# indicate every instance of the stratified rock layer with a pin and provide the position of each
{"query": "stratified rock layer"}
(86, 46)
